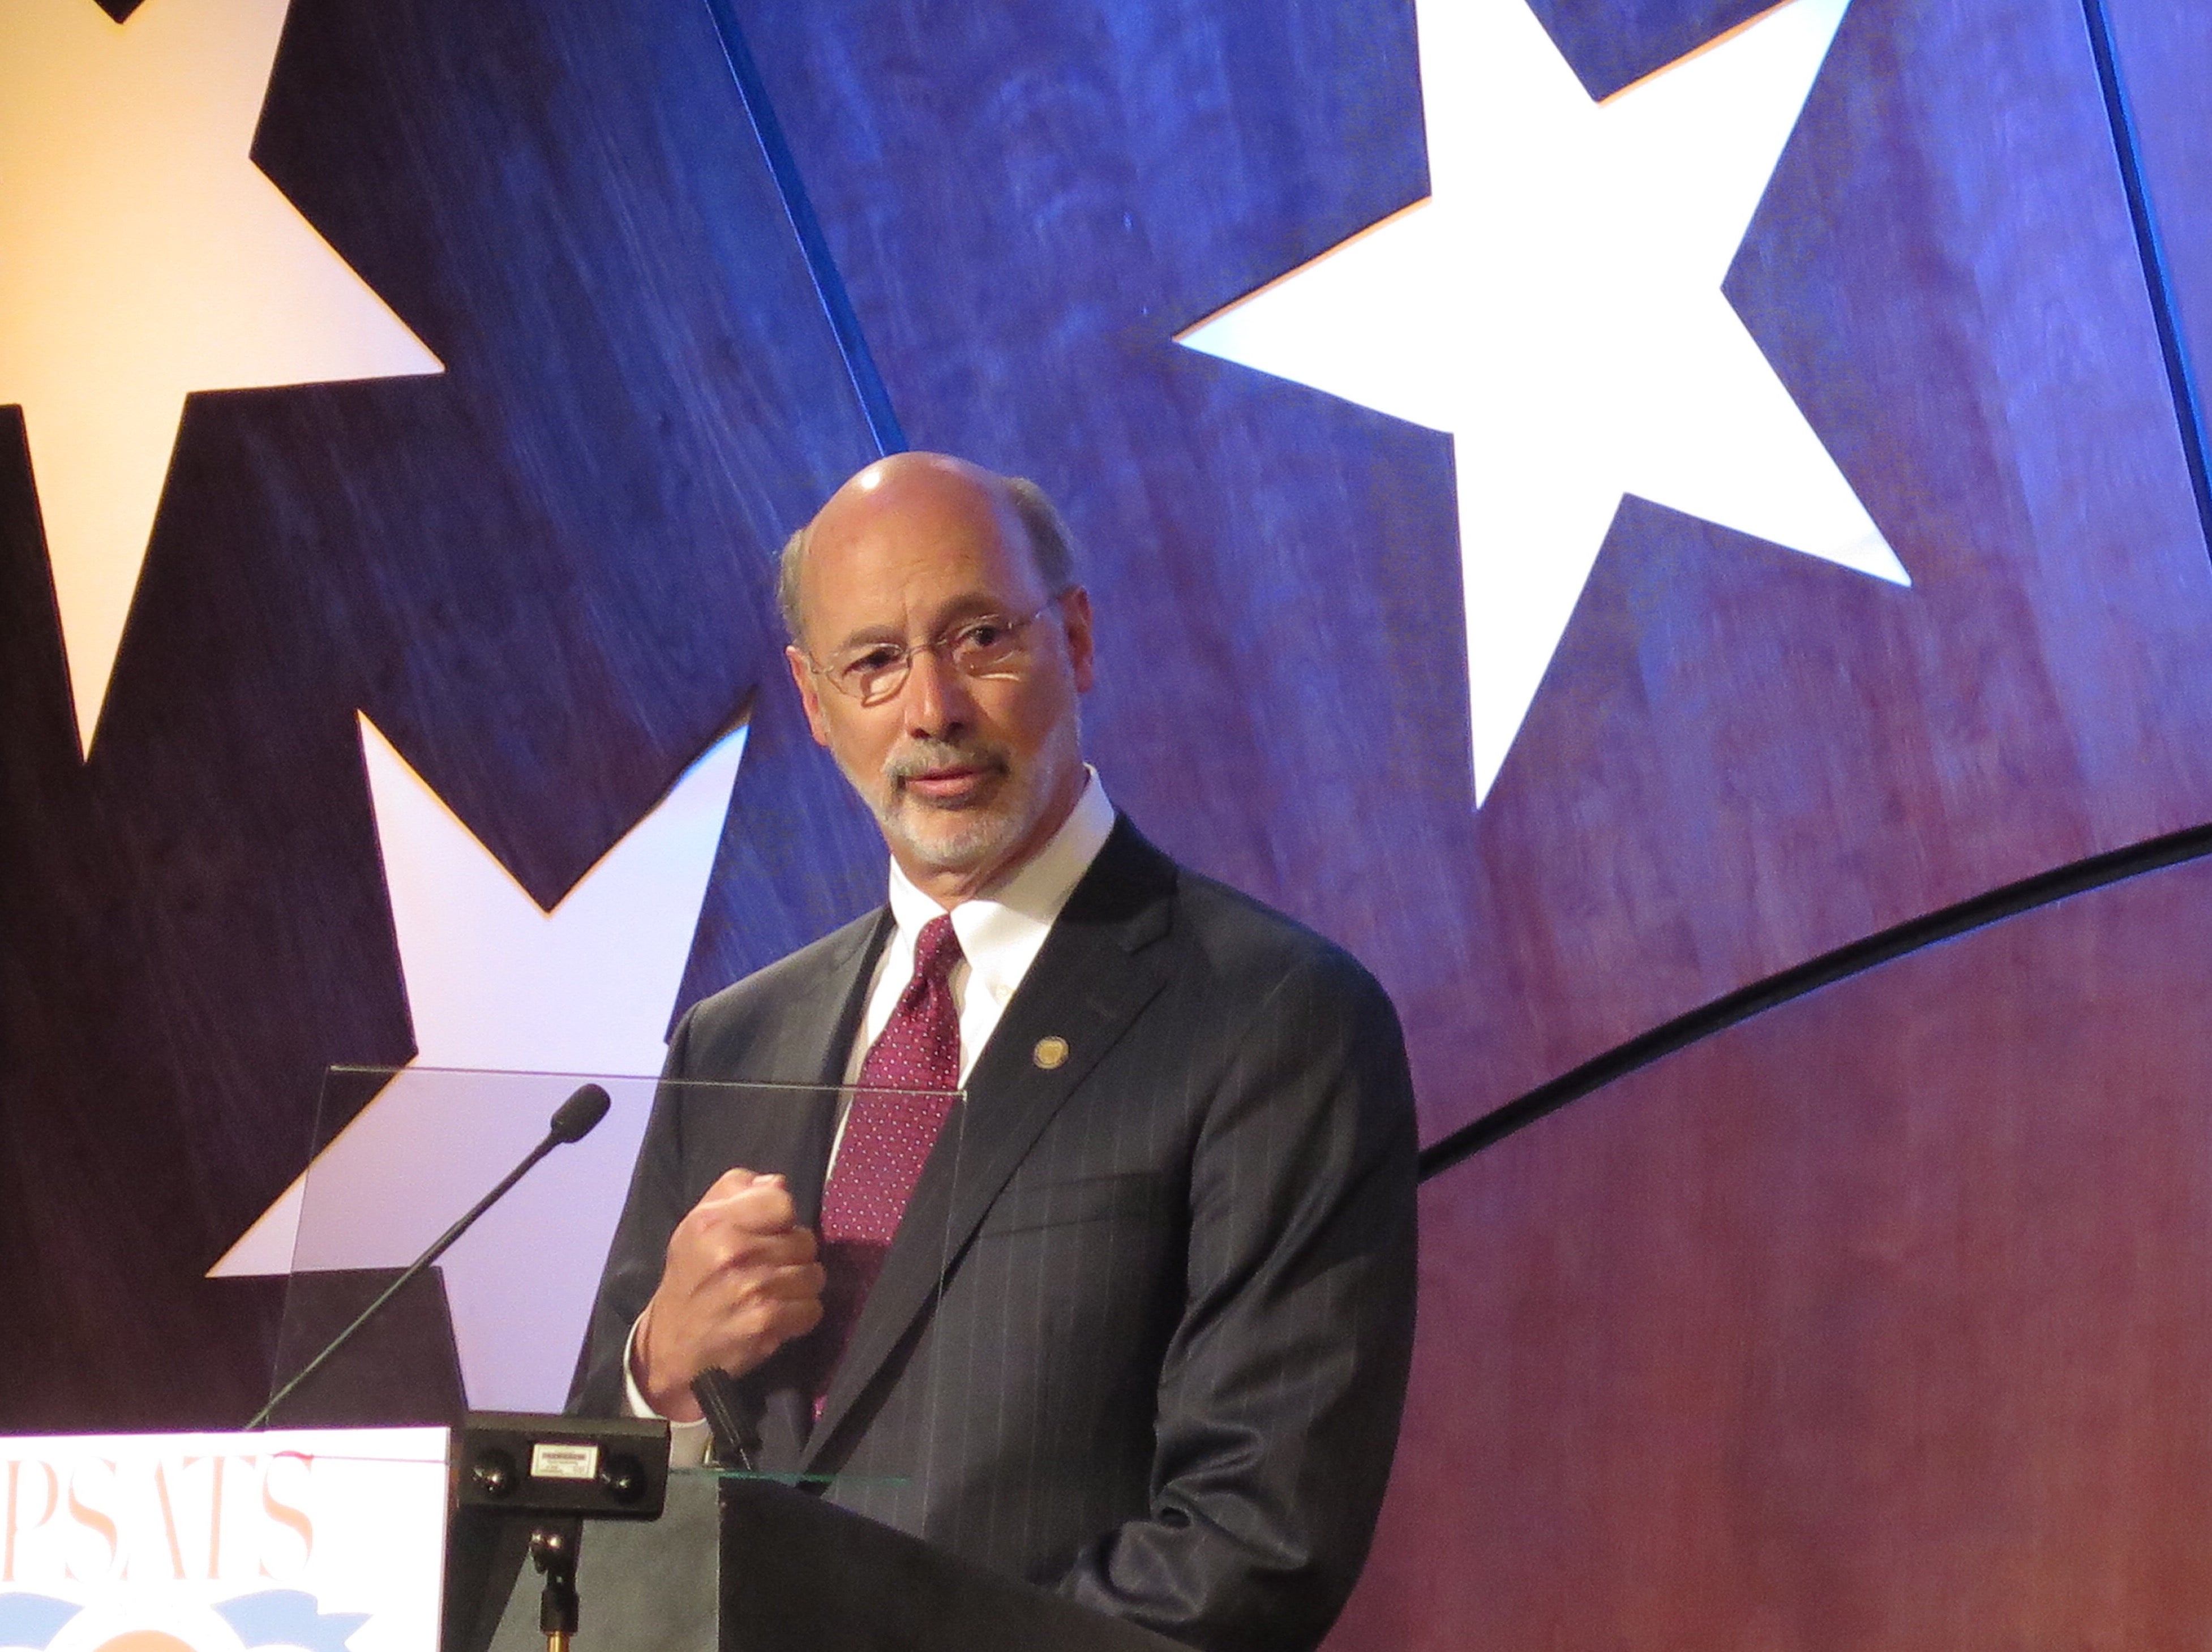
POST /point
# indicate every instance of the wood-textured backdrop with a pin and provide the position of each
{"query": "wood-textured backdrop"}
(1874, 1320)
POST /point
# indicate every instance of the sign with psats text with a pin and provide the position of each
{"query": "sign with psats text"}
(326, 1540)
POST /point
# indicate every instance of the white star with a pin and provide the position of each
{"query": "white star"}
(1556, 305)
(498, 987)
(142, 256)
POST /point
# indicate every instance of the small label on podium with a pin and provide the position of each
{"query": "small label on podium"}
(549, 1460)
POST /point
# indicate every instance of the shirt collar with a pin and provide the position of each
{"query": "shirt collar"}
(1002, 932)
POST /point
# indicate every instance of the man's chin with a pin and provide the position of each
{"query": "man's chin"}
(954, 840)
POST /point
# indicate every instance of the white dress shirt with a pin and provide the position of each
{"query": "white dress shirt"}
(1000, 934)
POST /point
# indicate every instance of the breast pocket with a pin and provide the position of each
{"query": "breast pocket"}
(1136, 1197)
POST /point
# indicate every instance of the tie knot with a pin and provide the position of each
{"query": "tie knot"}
(936, 949)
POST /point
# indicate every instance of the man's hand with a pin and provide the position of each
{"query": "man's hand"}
(740, 1281)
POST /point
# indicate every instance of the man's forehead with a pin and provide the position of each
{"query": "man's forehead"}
(946, 543)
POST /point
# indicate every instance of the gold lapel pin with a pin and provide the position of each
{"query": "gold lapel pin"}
(1049, 1053)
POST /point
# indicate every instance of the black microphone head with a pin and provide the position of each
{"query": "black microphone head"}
(575, 1118)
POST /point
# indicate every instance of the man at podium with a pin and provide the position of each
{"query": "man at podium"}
(1150, 1338)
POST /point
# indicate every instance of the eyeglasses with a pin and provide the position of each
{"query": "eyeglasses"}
(989, 646)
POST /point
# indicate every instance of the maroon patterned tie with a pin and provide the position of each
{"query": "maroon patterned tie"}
(888, 1134)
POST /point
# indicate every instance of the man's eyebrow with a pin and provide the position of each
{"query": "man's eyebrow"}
(972, 605)
(868, 636)
(956, 610)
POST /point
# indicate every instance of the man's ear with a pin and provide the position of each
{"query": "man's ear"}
(802, 673)
(1075, 613)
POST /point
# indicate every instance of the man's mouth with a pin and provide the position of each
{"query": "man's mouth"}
(949, 785)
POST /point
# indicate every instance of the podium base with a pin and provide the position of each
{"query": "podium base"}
(786, 1572)
(801, 1575)
(645, 1586)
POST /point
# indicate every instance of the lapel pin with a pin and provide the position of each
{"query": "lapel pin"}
(1049, 1053)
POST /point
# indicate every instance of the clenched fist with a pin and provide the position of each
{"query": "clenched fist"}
(740, 1281)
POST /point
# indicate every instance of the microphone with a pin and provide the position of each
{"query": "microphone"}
(573, 1120)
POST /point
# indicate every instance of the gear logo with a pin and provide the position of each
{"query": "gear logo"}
(287, 1617)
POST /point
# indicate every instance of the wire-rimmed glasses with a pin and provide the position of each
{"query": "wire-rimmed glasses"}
(990, 646)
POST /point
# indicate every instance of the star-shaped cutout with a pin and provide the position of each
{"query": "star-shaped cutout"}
(501, 994)
(1556, 306)
(143, 257)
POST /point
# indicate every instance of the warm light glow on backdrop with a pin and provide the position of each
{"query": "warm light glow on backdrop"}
(143, 257)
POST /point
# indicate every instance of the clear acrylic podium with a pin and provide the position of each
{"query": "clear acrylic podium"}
(756, 1556)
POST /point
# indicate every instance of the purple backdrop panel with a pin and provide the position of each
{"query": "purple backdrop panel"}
(545, 574)
(104, 1169)
(1741, 758)
(1956, 297)
(1877, 1320)
(2161, 52)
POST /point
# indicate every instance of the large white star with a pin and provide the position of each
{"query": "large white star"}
(501, 993)
(1556, 306)
(143, 256)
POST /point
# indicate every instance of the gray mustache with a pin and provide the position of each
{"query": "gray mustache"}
(926, 755)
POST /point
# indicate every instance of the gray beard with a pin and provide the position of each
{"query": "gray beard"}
(962, 840)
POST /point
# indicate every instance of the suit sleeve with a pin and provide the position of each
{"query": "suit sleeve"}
(1280, 1398)
(654, 1206)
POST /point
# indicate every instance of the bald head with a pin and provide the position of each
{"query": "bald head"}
(940, 647)
(920, 492)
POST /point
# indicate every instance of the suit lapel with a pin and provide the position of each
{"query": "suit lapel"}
(1097, 971)
(806, 1049)
(809, 1049)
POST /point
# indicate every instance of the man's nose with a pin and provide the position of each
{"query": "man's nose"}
(937, 701)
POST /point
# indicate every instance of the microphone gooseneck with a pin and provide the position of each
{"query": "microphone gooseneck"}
(572, 1121)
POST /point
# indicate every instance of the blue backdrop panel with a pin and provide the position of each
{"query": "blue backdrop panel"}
(797, 856)
(574, 528)
(1612, 42)
(1024, 218)
(545, 575)
(1741, 758)
(1874, 1321)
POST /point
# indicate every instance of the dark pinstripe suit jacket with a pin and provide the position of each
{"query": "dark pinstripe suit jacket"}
(1143, 1335)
